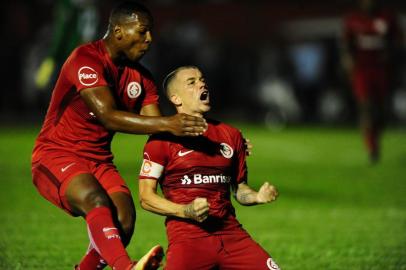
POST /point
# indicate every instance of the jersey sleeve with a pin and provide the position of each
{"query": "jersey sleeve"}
(155, 159)
(151, 92)
(85, 69)
(241, 171)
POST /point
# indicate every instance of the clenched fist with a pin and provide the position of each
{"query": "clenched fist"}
(197, 210)
(267, 193)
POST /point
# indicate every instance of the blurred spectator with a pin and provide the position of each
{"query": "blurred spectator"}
(74, 22)
(371, 39)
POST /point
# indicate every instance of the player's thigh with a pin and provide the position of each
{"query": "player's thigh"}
(193, 254)
(51, 174)
(242, 252)
(83, 193)
(361, 85)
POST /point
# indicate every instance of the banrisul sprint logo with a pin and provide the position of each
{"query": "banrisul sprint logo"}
(198, 179)
(87, 76)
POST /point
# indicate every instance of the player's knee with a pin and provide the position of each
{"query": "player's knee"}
(127, 222)
(90, 199)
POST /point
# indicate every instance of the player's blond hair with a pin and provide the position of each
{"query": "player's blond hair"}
(167, 82)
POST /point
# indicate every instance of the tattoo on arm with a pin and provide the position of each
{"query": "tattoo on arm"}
(189, 211)
(245, 198)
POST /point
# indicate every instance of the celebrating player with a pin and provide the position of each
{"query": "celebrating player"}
(196, 175)
(371, 37)
(103, 89)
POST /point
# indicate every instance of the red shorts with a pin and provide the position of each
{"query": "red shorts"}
(52, 172)
(231, 252)
(370, 83)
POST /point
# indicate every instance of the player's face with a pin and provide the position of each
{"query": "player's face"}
(192, 91)
(136, 37)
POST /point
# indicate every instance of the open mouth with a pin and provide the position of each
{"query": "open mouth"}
(204, 95)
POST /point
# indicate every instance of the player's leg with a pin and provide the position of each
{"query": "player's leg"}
(124, 217)
(86, 197)
(377, 101)
(123, 212)
(241, 252)
(193, 254)
(363, 88)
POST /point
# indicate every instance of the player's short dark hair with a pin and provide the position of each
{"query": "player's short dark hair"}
(171, 75)
(125, 10)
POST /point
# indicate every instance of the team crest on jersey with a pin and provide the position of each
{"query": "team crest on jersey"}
(134, 89)
(226, 150)
(272, 265)
(87, 76)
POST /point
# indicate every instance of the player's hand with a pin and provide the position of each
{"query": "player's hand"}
(267, 193)
(248, 147)
(197, 210)
(187, 125)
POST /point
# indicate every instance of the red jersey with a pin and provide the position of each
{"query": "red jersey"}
(69, 124)
(204, 166)
(370, 36)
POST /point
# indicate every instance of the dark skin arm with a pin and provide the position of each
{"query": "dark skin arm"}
(101, 102)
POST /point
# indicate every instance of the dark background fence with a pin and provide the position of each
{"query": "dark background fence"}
(276, 62)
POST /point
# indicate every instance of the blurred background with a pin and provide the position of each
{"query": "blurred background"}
(274, 62)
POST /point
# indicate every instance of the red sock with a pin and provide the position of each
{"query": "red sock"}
(92, 260)
(105, 238)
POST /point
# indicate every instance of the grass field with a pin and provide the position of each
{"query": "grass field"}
(334, 210)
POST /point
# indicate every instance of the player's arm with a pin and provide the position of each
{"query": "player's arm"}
(149, 199)
(150, 110)
(101, 102)
(247, 196)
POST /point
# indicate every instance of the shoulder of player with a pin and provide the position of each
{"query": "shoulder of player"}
(224, 126)
(86, 51)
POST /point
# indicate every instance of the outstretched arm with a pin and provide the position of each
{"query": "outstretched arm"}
(247, 196)
(101, 102)
(197, 210)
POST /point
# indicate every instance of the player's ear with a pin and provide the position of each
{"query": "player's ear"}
(118, 32)
(176, 100)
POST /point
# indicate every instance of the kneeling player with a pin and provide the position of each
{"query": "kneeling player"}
(196, 175)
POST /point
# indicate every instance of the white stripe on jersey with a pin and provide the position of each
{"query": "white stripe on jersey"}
(151, 169)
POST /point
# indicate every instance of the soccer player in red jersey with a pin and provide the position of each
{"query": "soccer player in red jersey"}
(371, 35)
(103, 89)
(197, 176)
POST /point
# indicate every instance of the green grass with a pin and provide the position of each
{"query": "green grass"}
(334, 210)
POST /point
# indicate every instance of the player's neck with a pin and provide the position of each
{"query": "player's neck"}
(182, 110)
(113, 52)
(108, 44)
